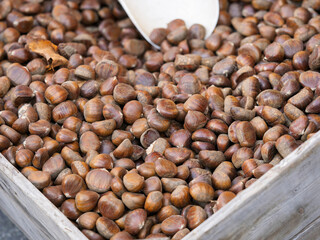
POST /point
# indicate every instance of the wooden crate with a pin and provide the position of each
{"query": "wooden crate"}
(283, 204)
(30, 210)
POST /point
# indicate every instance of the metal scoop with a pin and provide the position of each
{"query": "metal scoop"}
(149, 14)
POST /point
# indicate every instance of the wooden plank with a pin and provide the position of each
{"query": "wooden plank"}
(30, 210)
(312, 231)
(280, 205)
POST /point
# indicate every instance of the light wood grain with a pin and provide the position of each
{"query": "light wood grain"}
(312, 231)
(29, 209)
(283, 204)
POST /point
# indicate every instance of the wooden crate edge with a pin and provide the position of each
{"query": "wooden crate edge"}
(30, 210)
(249, 215)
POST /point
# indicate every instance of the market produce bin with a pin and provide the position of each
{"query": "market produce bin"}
(283, 204)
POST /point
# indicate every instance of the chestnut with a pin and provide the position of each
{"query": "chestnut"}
(133, 181)
(86, 200)
(173, 224)
(135, 221)
(106, 227)
(88, 220)
(72, 184)
(111, 207)
(201, 192)
(153, 201)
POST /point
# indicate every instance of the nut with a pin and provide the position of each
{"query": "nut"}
(98, 180)
(135, 221)
(110, 207)
(86, 200)
(133, 181)
(195, 216)
(201, 192)
(173, 224)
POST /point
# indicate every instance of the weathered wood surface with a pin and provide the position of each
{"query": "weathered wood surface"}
(312, 231)
(283, 204)
(35, 215)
